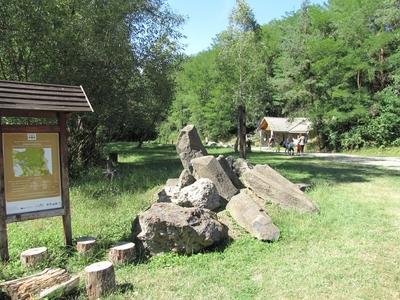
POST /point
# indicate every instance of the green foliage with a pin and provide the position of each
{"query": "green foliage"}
(123, 52)
(337, 64)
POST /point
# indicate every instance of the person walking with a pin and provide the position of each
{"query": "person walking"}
(290, 146)
(297, 143)
(302, 143)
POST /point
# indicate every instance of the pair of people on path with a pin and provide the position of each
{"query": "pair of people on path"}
(290, 143)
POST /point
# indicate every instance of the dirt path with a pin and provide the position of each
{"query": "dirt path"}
(392, 163)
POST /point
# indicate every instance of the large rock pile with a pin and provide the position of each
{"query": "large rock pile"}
(184, 219)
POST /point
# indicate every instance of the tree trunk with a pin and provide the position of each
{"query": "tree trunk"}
(242, 131)
(60, 290)
(382, 74)
(236, 146)
(31, 286)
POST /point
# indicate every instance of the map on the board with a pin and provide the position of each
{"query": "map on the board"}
(32, 162)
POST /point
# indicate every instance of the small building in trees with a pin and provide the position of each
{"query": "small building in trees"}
(282, 128)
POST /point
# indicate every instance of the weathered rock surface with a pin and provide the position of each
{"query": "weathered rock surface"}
(209, 167)
(169, 227)
(271, 186)
(171, 187)
(251, 216)
(240, 166)
(185, 179)
(168, 192)
(189, 146)
(234, 230)
(227, 167)
(161, 196)
(202, 193)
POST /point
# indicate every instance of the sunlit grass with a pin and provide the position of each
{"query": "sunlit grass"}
(350, 250)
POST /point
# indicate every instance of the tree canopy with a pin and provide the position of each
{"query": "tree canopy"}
(124, 53)
(337, 64)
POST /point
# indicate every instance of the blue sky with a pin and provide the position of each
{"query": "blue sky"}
(206, 18)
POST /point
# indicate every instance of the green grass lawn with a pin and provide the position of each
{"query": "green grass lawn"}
(350, 250)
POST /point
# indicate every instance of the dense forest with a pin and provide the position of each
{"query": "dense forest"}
(338, 64)
(124, 53)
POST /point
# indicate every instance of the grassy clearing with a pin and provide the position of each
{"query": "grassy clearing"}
(349, 250)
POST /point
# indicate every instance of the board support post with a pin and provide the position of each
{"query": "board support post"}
(62, 122)
(3, 213)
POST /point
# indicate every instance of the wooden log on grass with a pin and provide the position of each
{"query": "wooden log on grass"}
(84, 244)
(122, 253)
(100, 279)
(33, 257)
(59, 290)
(30, 287)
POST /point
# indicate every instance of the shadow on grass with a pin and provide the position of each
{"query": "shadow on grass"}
(141, 169)
(311, 169)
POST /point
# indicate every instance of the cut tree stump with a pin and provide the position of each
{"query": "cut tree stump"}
(59, 290)
(30, 287)
(100, 279)
(122, 253)
(84, 244)
(33, 257)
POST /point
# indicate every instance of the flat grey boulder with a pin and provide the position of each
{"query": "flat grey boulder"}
(227, 167)
(202, 193)
(252, 217)
(209, 167)
(240, 165)
(189, 146)
(185, 179)
(168, 227)
(271, 186)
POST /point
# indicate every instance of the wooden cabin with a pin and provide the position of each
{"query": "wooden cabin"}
(282, 128)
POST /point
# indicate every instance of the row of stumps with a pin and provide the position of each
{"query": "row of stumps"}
(99, 277)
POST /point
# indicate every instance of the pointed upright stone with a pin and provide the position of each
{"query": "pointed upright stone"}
(189, 146)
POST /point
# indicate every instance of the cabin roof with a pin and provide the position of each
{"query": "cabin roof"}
(294, 125)
(16, 95)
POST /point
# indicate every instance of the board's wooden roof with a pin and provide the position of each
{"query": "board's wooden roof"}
(15, 95)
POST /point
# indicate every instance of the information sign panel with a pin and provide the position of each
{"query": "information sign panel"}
(31, 172)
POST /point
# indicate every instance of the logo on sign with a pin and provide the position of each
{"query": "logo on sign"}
(31, 136)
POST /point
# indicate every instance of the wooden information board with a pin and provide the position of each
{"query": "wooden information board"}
(34, 180)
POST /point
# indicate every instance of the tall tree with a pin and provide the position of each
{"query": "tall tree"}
(240, 62)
